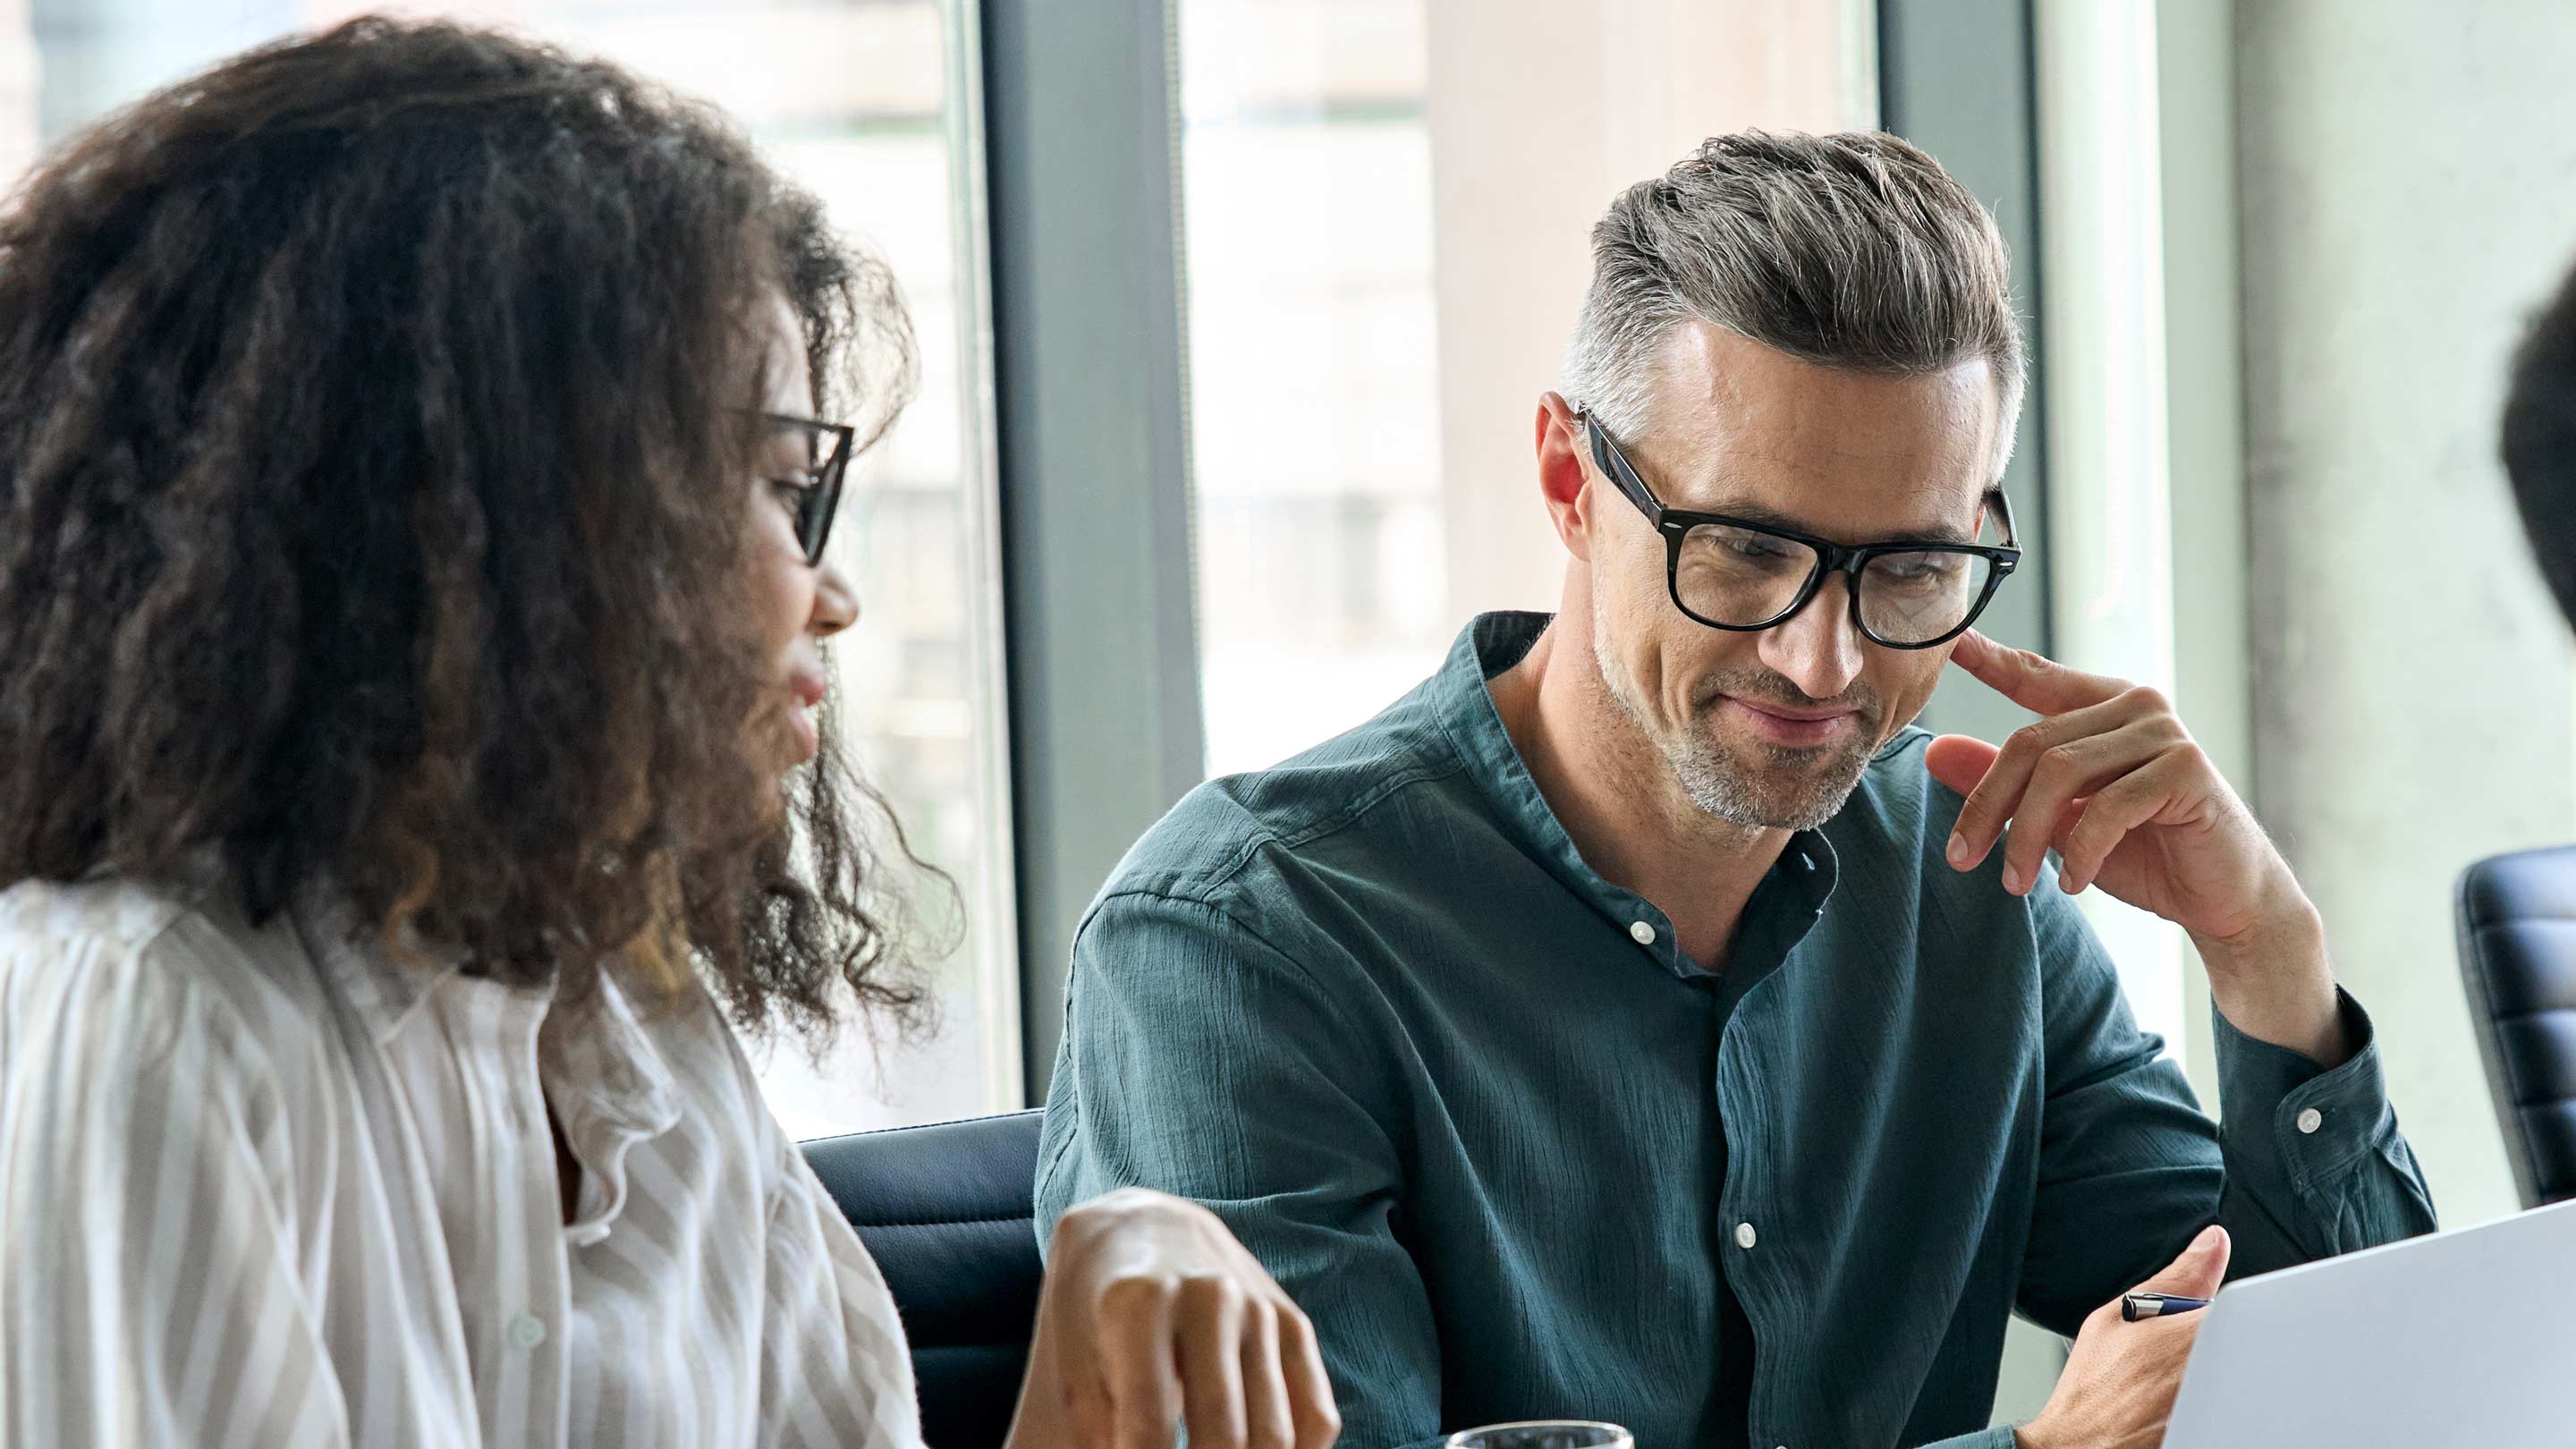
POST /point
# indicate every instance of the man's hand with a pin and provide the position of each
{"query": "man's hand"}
(2117, 1390)
(2109, 777)
(1154, 1318)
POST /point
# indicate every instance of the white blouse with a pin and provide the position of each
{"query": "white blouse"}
(259, 1188)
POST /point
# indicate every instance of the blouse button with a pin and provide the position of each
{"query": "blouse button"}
(1642, 933)
(2311, 1119)
(1744, 1237)
(526, 1332)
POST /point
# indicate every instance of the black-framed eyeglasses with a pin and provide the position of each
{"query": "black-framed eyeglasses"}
(1731, 573)
(817, 480)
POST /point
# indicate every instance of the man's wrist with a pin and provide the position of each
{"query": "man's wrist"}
(2288, 933)
(2274, 983)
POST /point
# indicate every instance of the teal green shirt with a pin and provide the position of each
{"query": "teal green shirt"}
(1518, 1157)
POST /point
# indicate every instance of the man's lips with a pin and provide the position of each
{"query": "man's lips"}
(1789, 724)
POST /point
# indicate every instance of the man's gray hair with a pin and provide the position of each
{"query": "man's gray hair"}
(1853, 250)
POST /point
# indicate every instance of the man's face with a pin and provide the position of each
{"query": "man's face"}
(1773, 728)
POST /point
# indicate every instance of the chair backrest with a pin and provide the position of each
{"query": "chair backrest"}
(946, 1213)
(2517, 922)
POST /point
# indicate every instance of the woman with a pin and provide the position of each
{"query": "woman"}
(411, 524)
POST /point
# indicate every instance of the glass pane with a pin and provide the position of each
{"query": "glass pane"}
(851, 97)
(1386, 207)
(1314, 391)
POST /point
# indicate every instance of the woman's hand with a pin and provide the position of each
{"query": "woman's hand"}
(1154, 1317)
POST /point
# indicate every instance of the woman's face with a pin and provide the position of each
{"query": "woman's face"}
(798, 605)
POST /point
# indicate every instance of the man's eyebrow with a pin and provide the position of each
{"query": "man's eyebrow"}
(1749, 511)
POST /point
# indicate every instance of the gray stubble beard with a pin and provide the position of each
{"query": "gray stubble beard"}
(1716, 784)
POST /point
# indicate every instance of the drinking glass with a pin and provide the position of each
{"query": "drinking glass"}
(1545, 1434)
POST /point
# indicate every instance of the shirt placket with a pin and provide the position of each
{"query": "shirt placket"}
(528, 1288)
(1787, 905)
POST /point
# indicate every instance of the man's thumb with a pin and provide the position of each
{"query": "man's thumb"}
(1959, 761)
(2200, 1269)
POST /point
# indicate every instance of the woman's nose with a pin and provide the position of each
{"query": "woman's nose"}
(836, 604)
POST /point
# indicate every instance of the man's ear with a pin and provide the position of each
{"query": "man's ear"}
(1562, 475)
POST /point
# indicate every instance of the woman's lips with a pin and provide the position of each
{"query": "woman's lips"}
(809, 738)
(808, 687)
(1794, 731)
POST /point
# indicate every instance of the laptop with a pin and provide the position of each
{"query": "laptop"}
(2465, 1338)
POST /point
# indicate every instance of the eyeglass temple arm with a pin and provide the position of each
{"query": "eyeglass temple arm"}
(1614, 466)
(2003, 515)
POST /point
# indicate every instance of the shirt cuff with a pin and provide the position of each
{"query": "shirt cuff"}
(2290, 1120)
(1999, 1437)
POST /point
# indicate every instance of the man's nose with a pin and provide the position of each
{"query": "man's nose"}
(1818, 649)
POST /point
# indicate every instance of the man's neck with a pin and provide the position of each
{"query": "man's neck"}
(1617, 798)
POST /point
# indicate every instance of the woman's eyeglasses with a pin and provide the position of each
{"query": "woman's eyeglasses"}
(824, 450)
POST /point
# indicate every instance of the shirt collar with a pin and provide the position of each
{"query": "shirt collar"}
(1788, 902)
(604, 1069)
(382, 986)
(607, 1071)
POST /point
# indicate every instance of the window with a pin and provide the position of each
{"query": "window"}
(1314, 379)
(855, 99)
(1386, 206)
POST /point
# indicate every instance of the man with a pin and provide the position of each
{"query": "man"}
(1616, 1027)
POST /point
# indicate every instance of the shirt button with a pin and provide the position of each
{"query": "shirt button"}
(1642, 933)
(1744, 1236)
(2311, 1119)
(526, 1332)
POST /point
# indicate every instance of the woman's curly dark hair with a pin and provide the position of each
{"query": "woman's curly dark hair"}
(375, 418)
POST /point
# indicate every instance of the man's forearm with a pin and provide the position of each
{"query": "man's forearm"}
(2274, 983)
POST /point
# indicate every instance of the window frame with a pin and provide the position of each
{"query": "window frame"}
(1100, 604)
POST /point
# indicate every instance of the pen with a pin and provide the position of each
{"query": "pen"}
(2135, 1306)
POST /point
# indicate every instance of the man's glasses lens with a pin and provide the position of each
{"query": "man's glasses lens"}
(1745, 578)
(1919, 596)
(1740, 577)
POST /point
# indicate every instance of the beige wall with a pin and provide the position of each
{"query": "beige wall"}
(1538, 116)
(2409, 187)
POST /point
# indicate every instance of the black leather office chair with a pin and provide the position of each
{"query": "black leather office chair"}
(2517, 919)
(945, 1212)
